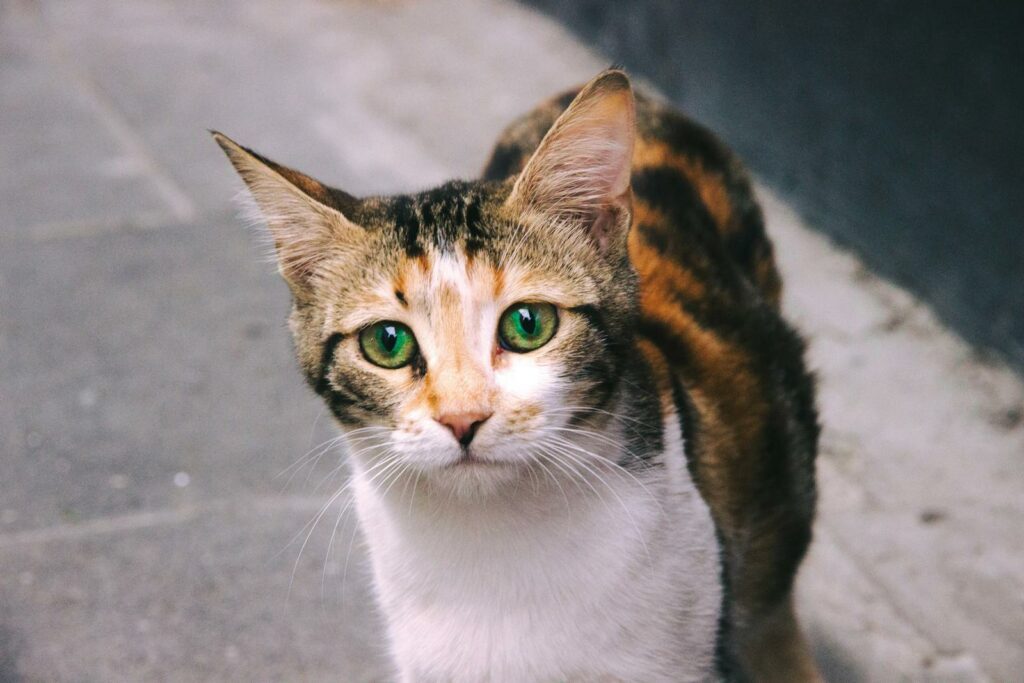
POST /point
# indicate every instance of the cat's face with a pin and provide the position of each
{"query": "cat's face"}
(466, 332)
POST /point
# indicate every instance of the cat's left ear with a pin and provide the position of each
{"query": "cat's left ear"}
(578, 179)
(306, 219)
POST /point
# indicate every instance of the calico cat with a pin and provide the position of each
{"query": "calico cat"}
(581, 436)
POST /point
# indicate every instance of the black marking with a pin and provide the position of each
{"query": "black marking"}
(610, 371)
(408, 224)
(474, 233)
(471, 212)
(645, 438)
(418, 366)
(593, 316)
(506, 160)
(726, 662)
(689, 430)
(401, 298)
(322, 385)
(343, 399)
(746, 236)
(691, 237)
(603, 370)
(442, 217)
(671, 345)
(338, 402)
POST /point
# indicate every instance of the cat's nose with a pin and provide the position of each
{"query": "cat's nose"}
(463, 425)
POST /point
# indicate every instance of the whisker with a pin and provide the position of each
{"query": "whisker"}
(401, 470)
(611, 489)
(556, 458)
(554, 478)
(304, 459)
(330, 545)
(343, 463)
(597, 459)
(316, 520)
(386, 459)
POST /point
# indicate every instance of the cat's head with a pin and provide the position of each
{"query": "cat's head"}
(466, 331)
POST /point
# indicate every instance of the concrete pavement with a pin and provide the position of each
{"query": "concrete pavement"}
(151, 416)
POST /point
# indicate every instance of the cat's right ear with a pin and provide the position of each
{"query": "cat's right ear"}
(578, 178)
(305, 218)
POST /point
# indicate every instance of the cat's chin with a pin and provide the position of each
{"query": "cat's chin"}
(472, 460)
(474, 477)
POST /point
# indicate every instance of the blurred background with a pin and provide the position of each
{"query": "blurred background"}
(164, 470)
(894, 127)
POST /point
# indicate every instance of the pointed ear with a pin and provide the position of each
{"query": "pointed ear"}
(304, 216)
(579, 175)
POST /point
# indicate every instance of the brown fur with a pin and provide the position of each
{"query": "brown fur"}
(697, 285)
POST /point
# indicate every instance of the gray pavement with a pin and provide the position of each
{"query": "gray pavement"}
(153, 500)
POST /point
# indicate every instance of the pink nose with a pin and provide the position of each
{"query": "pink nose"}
(463, 425)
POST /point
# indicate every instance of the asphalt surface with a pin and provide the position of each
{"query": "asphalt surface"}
(155, 489)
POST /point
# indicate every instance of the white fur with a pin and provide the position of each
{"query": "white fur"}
(539, 583)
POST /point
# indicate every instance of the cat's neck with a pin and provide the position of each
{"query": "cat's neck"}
(578, 572)
(605, 487)
(547, 528)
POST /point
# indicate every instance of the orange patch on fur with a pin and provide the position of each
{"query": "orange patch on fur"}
(710, 187)
(661, 277)
(723, 367)
(647, 214)
(657, 273)
(521, 416)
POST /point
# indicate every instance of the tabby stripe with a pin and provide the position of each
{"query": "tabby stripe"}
(471, 213)
(338, 398)
(606, 375)
(670, 343)
(323, 385)
(409, 224)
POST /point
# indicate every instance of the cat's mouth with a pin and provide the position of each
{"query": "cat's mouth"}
(471, 459)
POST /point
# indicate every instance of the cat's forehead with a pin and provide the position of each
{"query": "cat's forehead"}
(455, 215)
(435, 278)
(470, 221)
(455, 241)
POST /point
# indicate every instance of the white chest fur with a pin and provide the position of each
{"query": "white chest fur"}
(619, 582)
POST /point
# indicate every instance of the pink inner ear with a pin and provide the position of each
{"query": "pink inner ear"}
(603, 226)
(582, 168)
(607, 228)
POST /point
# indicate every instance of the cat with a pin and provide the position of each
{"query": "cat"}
(581, 435)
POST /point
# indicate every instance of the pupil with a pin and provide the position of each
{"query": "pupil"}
(527, 321)
(388, 338)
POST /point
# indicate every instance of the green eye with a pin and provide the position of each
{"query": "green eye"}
(525, 327)
(388, 344)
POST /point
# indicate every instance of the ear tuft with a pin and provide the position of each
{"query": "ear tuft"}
(304, 216)
(580, 173)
